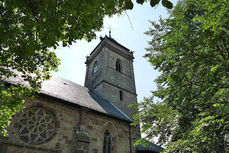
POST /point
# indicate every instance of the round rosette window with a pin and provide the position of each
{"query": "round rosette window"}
(36, 126)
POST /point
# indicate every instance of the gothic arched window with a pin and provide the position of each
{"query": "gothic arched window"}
(118, 65)
(95, 67)
(107, 142)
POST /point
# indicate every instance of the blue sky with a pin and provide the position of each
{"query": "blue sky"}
(128, 32)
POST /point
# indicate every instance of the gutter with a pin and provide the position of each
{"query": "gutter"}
(122, 112)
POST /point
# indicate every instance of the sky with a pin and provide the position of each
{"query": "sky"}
(127, 29)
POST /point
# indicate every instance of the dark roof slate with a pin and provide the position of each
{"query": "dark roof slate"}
(73, 93)
(105, 40)
(114, 41)
(152, 148)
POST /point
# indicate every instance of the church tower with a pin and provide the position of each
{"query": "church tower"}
(110, 74)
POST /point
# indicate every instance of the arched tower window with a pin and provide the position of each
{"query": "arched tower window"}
(107, 142)
(118, 65)
(95, 67)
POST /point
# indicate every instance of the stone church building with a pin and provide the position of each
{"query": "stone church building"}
(68, 118)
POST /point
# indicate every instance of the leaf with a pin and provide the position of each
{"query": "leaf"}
(140, 1)
(167, 4)
(129, 5)
(154, 2)
(214, 68)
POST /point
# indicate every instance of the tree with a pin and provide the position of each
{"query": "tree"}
(189, 112)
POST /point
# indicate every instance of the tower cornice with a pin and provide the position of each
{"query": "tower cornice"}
(112, 45)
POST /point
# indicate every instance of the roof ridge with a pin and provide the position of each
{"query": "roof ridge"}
(67, 81)
(114, 41)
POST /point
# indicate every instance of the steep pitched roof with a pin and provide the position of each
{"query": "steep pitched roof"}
(153, 148)
(72, 93)
(114, 41)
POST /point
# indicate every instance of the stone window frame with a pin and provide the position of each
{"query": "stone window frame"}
(113, 136)
(107, 142)
(118, 65)
(95, 67)
(37, 105)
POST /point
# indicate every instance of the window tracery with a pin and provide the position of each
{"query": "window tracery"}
(107, 142)
(36, 126)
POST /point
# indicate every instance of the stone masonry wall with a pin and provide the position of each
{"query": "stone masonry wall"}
(77, 130)
(92, 79)
(112, 94)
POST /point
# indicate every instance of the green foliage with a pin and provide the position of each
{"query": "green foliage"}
(29, 28)
(153, 3)
(189, 111)
(12, 99)
(140, 1)
(167, 4)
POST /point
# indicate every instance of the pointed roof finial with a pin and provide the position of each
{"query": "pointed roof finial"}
(110, 31)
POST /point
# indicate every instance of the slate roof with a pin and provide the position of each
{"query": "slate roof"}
(152, 148)
(114, 41)
(73, 93)
(106, 41)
